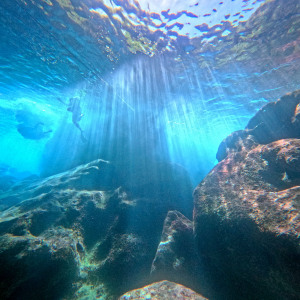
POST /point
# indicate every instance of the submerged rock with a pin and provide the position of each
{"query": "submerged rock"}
(247, 212)
(274, 121)
(162, 290)
(176, 259)
(97, 175)
(35, 268)
(80, 235)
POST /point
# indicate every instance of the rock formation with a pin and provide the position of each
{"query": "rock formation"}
(247, 208)
(81, 234)
(274, 121)
(162, 290)
(176, 258)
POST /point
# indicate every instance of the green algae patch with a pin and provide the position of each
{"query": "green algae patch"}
(140, 44)
(87, 292)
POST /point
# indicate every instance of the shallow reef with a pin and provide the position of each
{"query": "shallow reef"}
(94, 232)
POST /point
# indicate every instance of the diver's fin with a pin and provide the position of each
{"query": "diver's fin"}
(83, 138)
(62, 101)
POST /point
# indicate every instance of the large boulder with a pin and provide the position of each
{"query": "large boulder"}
(97, 175)
(247, 212)
(162, 290)
(82, 234)
(36, 267)
(176, 258)
(274, 121)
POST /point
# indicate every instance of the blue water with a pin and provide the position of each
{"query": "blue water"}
(140, 84)
(164, 81)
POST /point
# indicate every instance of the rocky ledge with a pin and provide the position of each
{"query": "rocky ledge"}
(247, 209)
(86, 233)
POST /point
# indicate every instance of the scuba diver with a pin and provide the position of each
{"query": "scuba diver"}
(32, 133)
(75, 109)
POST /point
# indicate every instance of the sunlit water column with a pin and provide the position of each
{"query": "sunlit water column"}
(153, 112)
(150, 110)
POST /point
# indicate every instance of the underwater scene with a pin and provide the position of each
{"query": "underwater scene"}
(150, 149)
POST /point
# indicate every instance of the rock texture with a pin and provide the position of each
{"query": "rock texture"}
(97, 175)
(274, 121)
(247, 209)
(81, 234)
(162, 290)
(176, 258)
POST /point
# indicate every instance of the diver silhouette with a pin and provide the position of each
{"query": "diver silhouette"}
(32, 133)
(75, 109)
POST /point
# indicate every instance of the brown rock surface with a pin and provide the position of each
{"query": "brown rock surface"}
(162, 290)
(247, 222)
(274, 121)
(176, 259)
(258, 184)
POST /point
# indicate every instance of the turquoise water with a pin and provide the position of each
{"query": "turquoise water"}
(113, 110)
(164, 80)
